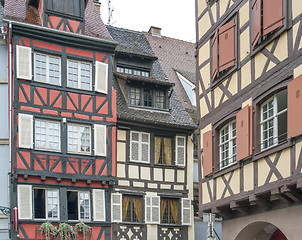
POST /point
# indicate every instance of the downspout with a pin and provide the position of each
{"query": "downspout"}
(10, 100)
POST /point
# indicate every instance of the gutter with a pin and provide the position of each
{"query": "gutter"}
(59, 32)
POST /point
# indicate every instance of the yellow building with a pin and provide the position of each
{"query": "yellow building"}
(249, 85)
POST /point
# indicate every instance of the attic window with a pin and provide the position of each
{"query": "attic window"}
(132, 71)
(73, 8)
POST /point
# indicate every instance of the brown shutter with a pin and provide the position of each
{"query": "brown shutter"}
(294, 109)
(243, 133)
(227, 45)
(214, 47)
(272, 15)
(207, 153)
(256, 7)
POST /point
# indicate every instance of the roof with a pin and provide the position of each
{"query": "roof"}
(175, 56)
(176, 116)
(21, 11)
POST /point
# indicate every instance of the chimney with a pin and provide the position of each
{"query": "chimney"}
(155, 31)
(97, 4)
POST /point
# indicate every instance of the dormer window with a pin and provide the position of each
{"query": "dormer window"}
(148, 97)
(131, 71)
(73, 8)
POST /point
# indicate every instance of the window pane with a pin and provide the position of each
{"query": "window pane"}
(147, 98)
(282, 127)
(54, 70)
(40, 67)
(159, 99)
(40, 133)
(134, 96)
(72, 138)
(52, 204)
(85, 139)
(282, 100)
(84, 205)
(85, 76)
(39, 203)
(72, 76)
(72, 205)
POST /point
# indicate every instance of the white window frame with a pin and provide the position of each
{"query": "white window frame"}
(228, 142)
(152, 206)
(79, 207)
(47, 135)
(140, 143)
(274, 117)
(177, 146)
(79, 74)
(47, 68)
(79, 138)
(46, 203)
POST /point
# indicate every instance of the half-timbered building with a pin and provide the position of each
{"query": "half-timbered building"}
(249, 112)
(63, 115)
(152, 198)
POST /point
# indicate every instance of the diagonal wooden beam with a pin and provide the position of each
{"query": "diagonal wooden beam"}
(227, 185)
(273, 168)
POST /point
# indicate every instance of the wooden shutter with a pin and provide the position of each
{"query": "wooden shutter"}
(101, 77)
(186, 211)
(294, 109)
(24, 193)
(144, 147)
(25, 133)
(100, 145)
(243, 133)
(116, 207)
(214, 49)
(256, 8)
(207, 153)
(226, 45)
(99, 210)
(152, 210)
(134, 146)
(24, 62)
(180, 151)
(272, 15)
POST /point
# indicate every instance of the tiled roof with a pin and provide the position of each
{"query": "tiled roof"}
(176, 116)
(175, 55)
(19, 10)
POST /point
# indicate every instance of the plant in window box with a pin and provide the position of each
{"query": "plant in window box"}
(64, 231)
(48, 229)
(81, 227)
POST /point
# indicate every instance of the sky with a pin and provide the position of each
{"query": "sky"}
(176, 18)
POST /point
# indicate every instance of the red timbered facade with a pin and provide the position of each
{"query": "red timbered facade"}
(63, 117)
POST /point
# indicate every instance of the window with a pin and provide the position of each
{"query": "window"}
(163, 150)
(46, 204)
(79, 138)
(227, 144)
(223, 48)
(189, 88)
(274, 120)
(47, 134)
(139, 147)
(135, 72)
(79, 74)
(47, 68)
(132, 209)
(73, 8)
(169, 210)
(147, 97)
(268, 16)
(78, 205)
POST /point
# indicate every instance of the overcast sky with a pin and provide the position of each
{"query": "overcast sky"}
(176, 18)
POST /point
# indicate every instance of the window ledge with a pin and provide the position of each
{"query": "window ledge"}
(149, 109)
(271, 150)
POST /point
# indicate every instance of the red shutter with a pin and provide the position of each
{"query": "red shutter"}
(294, 109)
(207, 153)
(227, 45)
(272, 15)
(256, 7)
(214, 47)
(243, 133)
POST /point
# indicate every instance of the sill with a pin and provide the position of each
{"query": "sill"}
(170, 225)
(132, 223)
(48, 150)
(139, 162)
(80, 89)
(149, 109)
(218, 80)
(80, 153)
(229, 165)
(273, 149)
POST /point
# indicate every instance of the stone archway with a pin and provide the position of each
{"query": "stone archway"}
(261, 231)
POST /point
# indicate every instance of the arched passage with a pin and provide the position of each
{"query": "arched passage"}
(261, 231)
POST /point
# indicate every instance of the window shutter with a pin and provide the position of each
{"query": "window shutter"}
(99, 212)
(100, 145)
(207, 153)
(24, 62)
(243, 133)
(155, 210)
(25, 134)
(25, 201)
(227, 45)
(186, 211)
(256, 8)
(272, 15)
(294, 110)
(214, 48)
(134, 148)
(145, 142)
(148, 209)
(101, 77)
(116, 207)
(180, 150)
